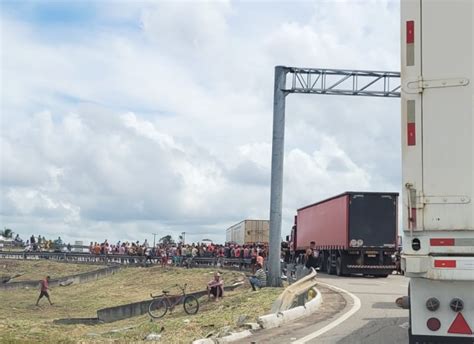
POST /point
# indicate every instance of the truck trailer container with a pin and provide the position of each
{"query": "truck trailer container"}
(437, 116)
(355, 232)
(248, 232)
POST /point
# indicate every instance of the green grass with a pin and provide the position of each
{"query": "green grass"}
(22, 322)
(33, 270)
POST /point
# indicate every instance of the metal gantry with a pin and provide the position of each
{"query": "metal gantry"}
(312, 81)
(344, 82)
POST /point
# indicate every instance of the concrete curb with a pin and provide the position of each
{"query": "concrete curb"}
(273, 320)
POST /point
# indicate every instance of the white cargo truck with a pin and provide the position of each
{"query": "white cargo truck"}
(248, 232)
(437, 65)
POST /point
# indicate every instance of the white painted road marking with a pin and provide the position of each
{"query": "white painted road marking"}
(355, 307)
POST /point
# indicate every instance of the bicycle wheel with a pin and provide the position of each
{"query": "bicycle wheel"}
(157, 308)
(191, 304)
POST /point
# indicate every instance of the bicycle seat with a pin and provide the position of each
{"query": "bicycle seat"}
(165, 291)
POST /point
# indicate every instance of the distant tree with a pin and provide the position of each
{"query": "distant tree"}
(7, 233)
(167, 239)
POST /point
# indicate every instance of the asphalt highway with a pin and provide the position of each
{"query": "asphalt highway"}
(366, 314)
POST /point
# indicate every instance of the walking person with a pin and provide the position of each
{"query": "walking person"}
(44, 290)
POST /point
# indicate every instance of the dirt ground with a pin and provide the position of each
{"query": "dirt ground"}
(22, 322)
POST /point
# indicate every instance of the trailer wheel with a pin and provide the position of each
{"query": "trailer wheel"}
(339, 266)
(322, 263)
(329, 268)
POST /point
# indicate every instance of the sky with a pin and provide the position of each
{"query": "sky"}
(124, 118)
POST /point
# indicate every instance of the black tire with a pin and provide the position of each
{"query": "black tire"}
(329, 268)
(322, 266)
(157, 308)
(339, 266)
(191, 304)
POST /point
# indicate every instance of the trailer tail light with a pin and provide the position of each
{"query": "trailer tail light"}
(432, 304)
(444, 263)
(410, 43)
(416, 244)
(433, 324)
(410, 32)
(459, 326)
(457, 305)
(442, 242)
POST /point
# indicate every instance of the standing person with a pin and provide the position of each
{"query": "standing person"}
(260, 260)
(253, 259)
(311, 258)
(44, 290)
(259, 279)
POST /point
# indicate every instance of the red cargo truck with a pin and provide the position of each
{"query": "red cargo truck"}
(355, 232)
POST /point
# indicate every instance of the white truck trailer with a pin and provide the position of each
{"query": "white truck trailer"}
(437, 65)
(248, 232)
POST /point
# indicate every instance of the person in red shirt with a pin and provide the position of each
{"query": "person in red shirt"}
(44, 290)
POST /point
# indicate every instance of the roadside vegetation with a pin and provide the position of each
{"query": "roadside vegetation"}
(22, 322)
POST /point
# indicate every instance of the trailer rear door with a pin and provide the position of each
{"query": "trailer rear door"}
(437, 115)
(373, 219)
(447, 112)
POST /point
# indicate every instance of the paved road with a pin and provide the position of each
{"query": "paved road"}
(377, 321)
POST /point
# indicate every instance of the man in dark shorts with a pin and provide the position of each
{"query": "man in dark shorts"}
(216, 287)
(44, 290)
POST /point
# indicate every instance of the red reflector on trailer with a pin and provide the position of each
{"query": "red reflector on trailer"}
(460, 326)
(442, 242)
(438, 263)
(433, 324)
(410, 31)
(413, 217)
(411, 134)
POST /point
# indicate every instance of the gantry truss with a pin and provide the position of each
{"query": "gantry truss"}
(311, 81)
(343, 82)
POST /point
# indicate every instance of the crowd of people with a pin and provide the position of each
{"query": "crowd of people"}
(40, 243)
(176, 252)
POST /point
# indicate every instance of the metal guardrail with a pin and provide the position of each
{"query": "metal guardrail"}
(87, 258)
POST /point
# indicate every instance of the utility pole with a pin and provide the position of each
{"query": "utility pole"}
(183, 236)
(278, 143)
(154, 238)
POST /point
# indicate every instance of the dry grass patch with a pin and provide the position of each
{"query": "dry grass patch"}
(33, 270)
(22, 322)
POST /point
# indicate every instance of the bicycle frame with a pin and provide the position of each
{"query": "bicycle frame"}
(170, 305)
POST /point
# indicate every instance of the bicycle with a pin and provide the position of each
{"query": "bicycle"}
(162, 303)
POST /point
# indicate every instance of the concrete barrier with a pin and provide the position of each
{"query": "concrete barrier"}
(129, 310)
(278, 319)
(76, 279)
(234, 336)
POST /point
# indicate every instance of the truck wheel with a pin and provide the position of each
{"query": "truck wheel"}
(339, 266)
(322, 265)
(329, 268)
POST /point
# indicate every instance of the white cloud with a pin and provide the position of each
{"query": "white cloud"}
(167, 126)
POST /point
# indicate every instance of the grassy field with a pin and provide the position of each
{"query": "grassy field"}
(32, 270)
(22, 322)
